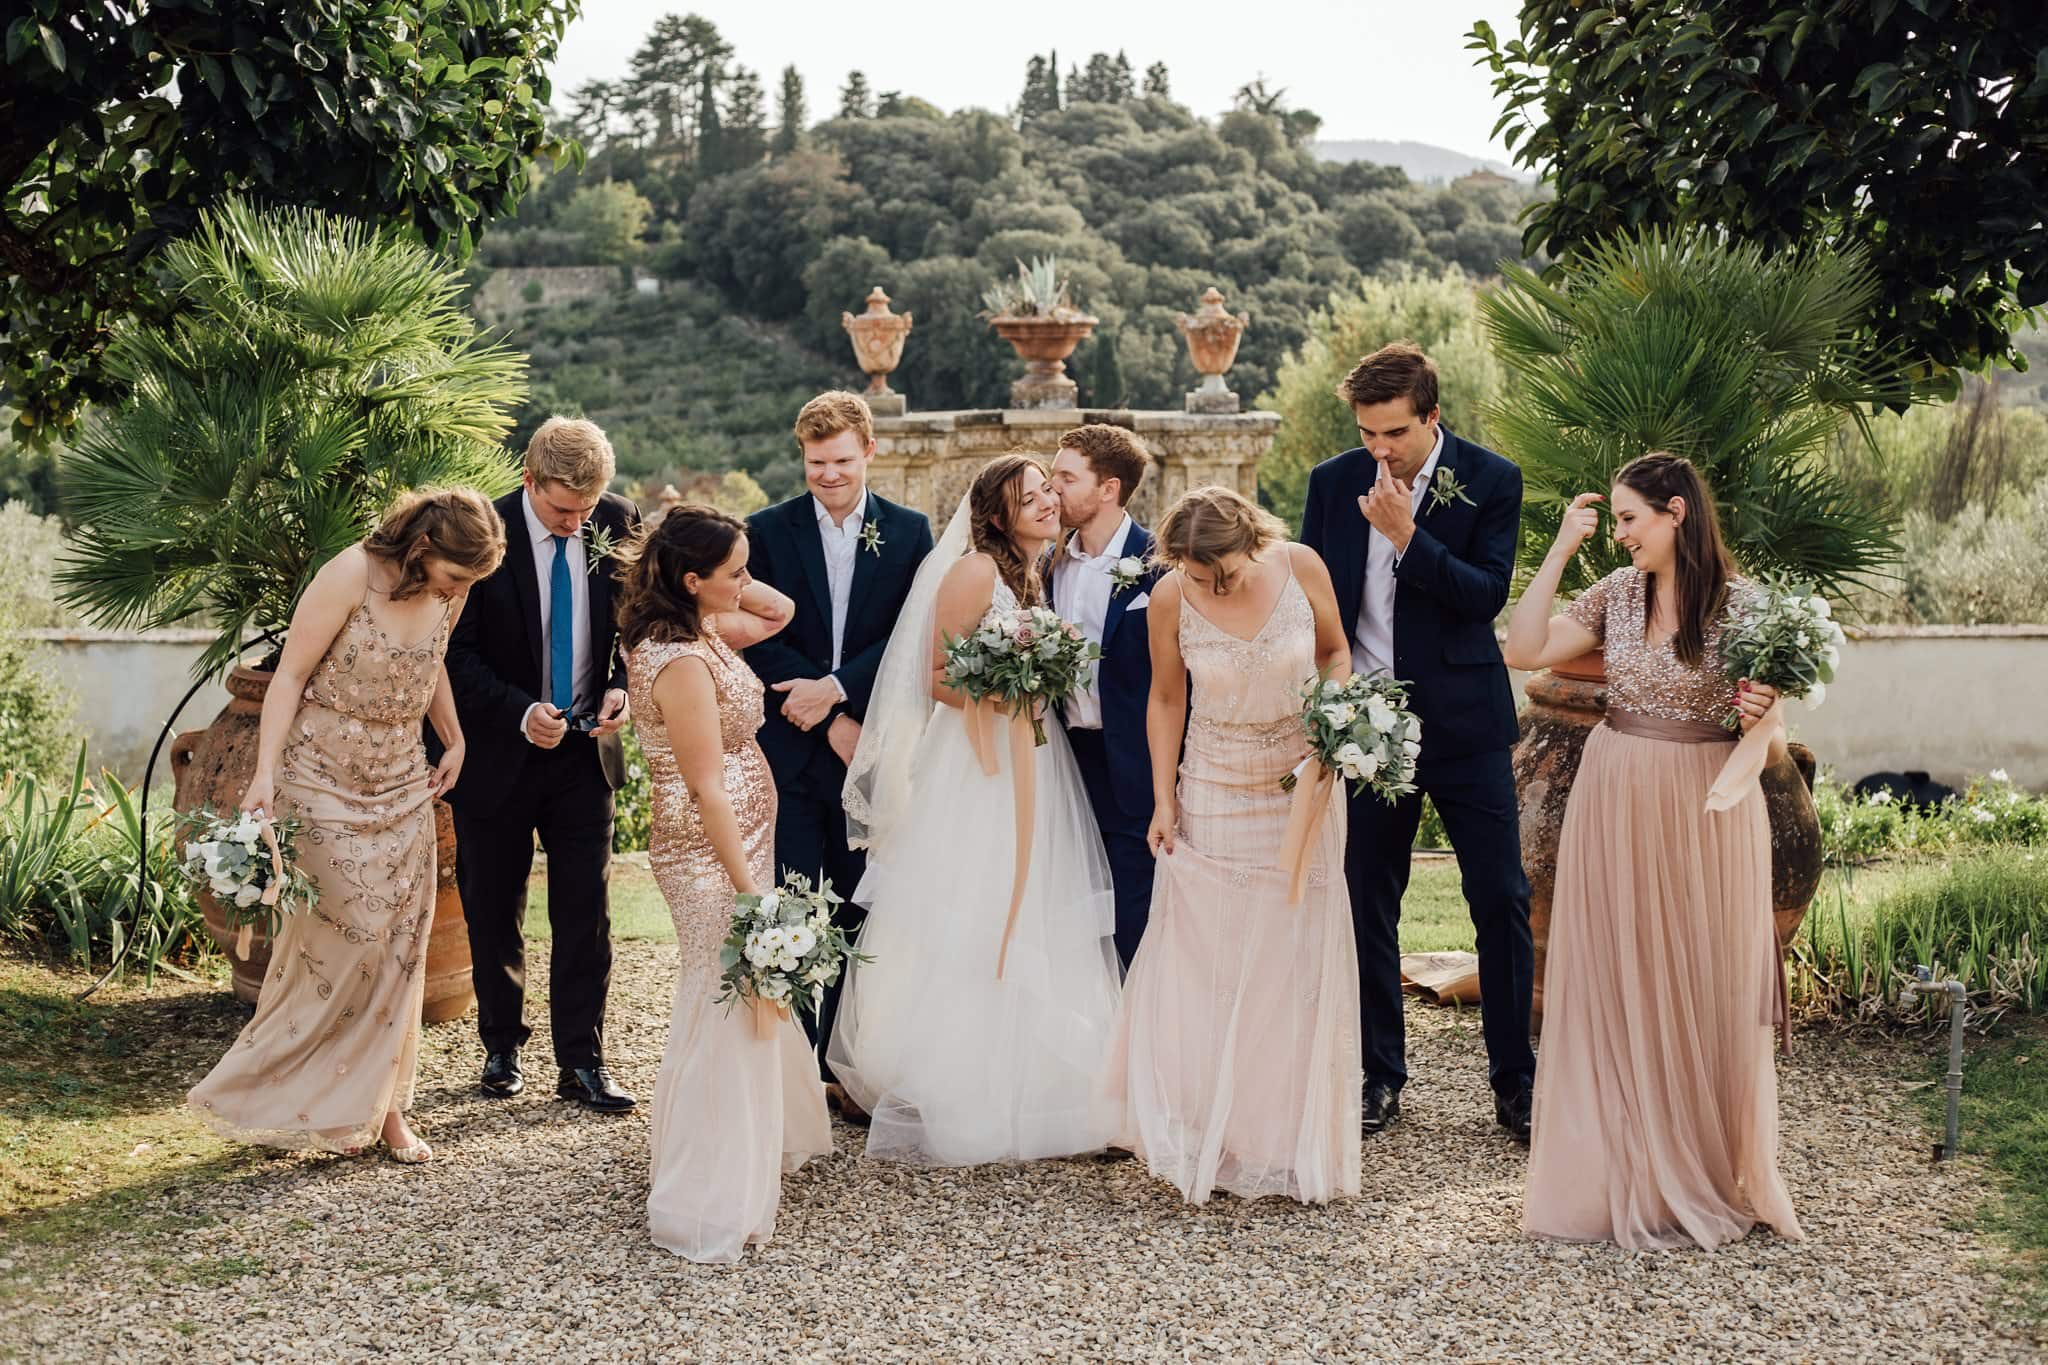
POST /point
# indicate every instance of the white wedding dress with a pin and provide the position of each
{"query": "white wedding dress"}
(956, 1066)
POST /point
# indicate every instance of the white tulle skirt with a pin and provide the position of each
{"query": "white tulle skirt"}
(956, 1066)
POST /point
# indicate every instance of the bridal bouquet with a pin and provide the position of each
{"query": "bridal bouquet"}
(1361, 729)
(1022, 658)
(1783, 635)
(251, 867)
(783, 947)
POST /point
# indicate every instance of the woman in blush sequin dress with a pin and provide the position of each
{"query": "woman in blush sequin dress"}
(1656, 1117)
(1237, 1058)
(732, 1112)
(329, 1059)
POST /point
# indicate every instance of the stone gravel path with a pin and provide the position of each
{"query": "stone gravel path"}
(525, 1242)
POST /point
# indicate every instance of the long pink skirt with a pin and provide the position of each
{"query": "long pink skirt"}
(1656, 1118)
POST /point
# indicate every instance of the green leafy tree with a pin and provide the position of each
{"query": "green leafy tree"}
(855, 100)
(1917, 131)
(1158, 81)
(1746, 364)
(607, 220)
(790, 113)
(312, 371)
(1439, 313)
(119, 125)
(1106, 387)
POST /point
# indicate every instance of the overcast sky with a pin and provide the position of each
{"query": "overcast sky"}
(1392, 69)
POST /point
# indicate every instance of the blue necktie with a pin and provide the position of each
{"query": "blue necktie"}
(561, 632)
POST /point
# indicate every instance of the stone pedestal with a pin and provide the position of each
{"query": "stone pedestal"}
(1212, 396)
(891, 404)
(926, 460)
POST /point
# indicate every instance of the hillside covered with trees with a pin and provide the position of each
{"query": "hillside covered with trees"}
(786, 220)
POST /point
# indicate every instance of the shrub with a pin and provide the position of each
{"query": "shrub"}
(29, 546)
(1989, 811)
(36, 732)
(632, 818)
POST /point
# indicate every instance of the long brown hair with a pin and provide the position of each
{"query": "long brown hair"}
(457, 526)
(1702, 567)
(993, 500)
(653, 603)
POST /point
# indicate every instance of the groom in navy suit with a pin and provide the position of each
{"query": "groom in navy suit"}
(1418, 528)
(1100, 577)
(846, 558)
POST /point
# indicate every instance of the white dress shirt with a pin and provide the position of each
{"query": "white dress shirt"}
(1372, 637)
(842, 543)
(541, 542)
(1082, 586)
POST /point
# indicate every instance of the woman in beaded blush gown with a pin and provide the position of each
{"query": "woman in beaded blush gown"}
(1238, 1058)
(1656, 1111)
(732, 1111)
(329, 1059)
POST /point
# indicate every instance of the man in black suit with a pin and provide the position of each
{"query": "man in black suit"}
(540, 685)
(1418, 528)
(846, 558)
(1101, 578)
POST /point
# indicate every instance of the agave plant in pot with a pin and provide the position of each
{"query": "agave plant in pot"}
(314, 370)
(1032, 311)
(1746, 364)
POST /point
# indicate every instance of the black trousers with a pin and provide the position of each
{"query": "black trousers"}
(810, 838)
(1475, 796)
(563, 798)
(1123, 840)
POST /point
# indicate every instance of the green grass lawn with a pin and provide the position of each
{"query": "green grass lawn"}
(2005, 1121)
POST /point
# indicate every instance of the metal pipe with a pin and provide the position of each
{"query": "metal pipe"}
(1958, 994)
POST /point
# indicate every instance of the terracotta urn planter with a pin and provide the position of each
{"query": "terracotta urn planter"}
(213, 766)
(1565, 703)
(1212, 334)
(1044, 343)
(877, 335)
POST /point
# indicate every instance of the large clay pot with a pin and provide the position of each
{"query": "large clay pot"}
(1044, 345)
(1565, 703)
(213, 767)
(450, 989)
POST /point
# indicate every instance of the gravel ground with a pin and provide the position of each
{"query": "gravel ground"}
(525, 1242)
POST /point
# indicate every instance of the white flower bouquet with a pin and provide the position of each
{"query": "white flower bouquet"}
(1025, 659)
(782, 949)
(1362, 730)
(1784, 635)
(250, 864)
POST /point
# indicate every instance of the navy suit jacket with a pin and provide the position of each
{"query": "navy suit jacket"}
(1124, 677)
(1448, 588)
(786, 552)
(494, 665)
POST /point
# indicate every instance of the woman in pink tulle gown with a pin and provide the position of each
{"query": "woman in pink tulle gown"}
(1656, 1117)
(1237, 1056)
(732, 1111)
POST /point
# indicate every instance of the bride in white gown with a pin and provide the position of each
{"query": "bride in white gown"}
(956, 1065)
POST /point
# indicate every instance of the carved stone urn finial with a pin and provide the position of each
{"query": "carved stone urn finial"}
(1212, 334)
(877, 336)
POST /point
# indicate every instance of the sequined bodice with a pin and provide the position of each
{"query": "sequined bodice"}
(1644, 677)
(1250, 689)
(368, 677)
(739, 692)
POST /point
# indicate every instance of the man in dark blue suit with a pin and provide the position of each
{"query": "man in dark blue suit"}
(1418, 528)
(846, 558)
(1100, 578)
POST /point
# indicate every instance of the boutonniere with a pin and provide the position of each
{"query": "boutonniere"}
(1444, 488)
(1125, 573)
(599, 544)
(871, 538)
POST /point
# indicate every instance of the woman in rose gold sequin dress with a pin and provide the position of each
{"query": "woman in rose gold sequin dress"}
(1237, 1058)
(732, 1112)
(328, 1061)
(1656, 1117)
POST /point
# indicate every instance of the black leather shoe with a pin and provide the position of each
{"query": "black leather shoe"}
(592, 1086)
(1382, 1106)
(1511, 1111)
(501, 1075)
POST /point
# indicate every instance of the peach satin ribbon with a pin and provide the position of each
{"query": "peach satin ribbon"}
(979, 717)
(1304, 813)
(1746, 765)
(245, 937)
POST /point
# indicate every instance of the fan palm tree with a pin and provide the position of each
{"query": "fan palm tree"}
(315, 369)
(1746, 364)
